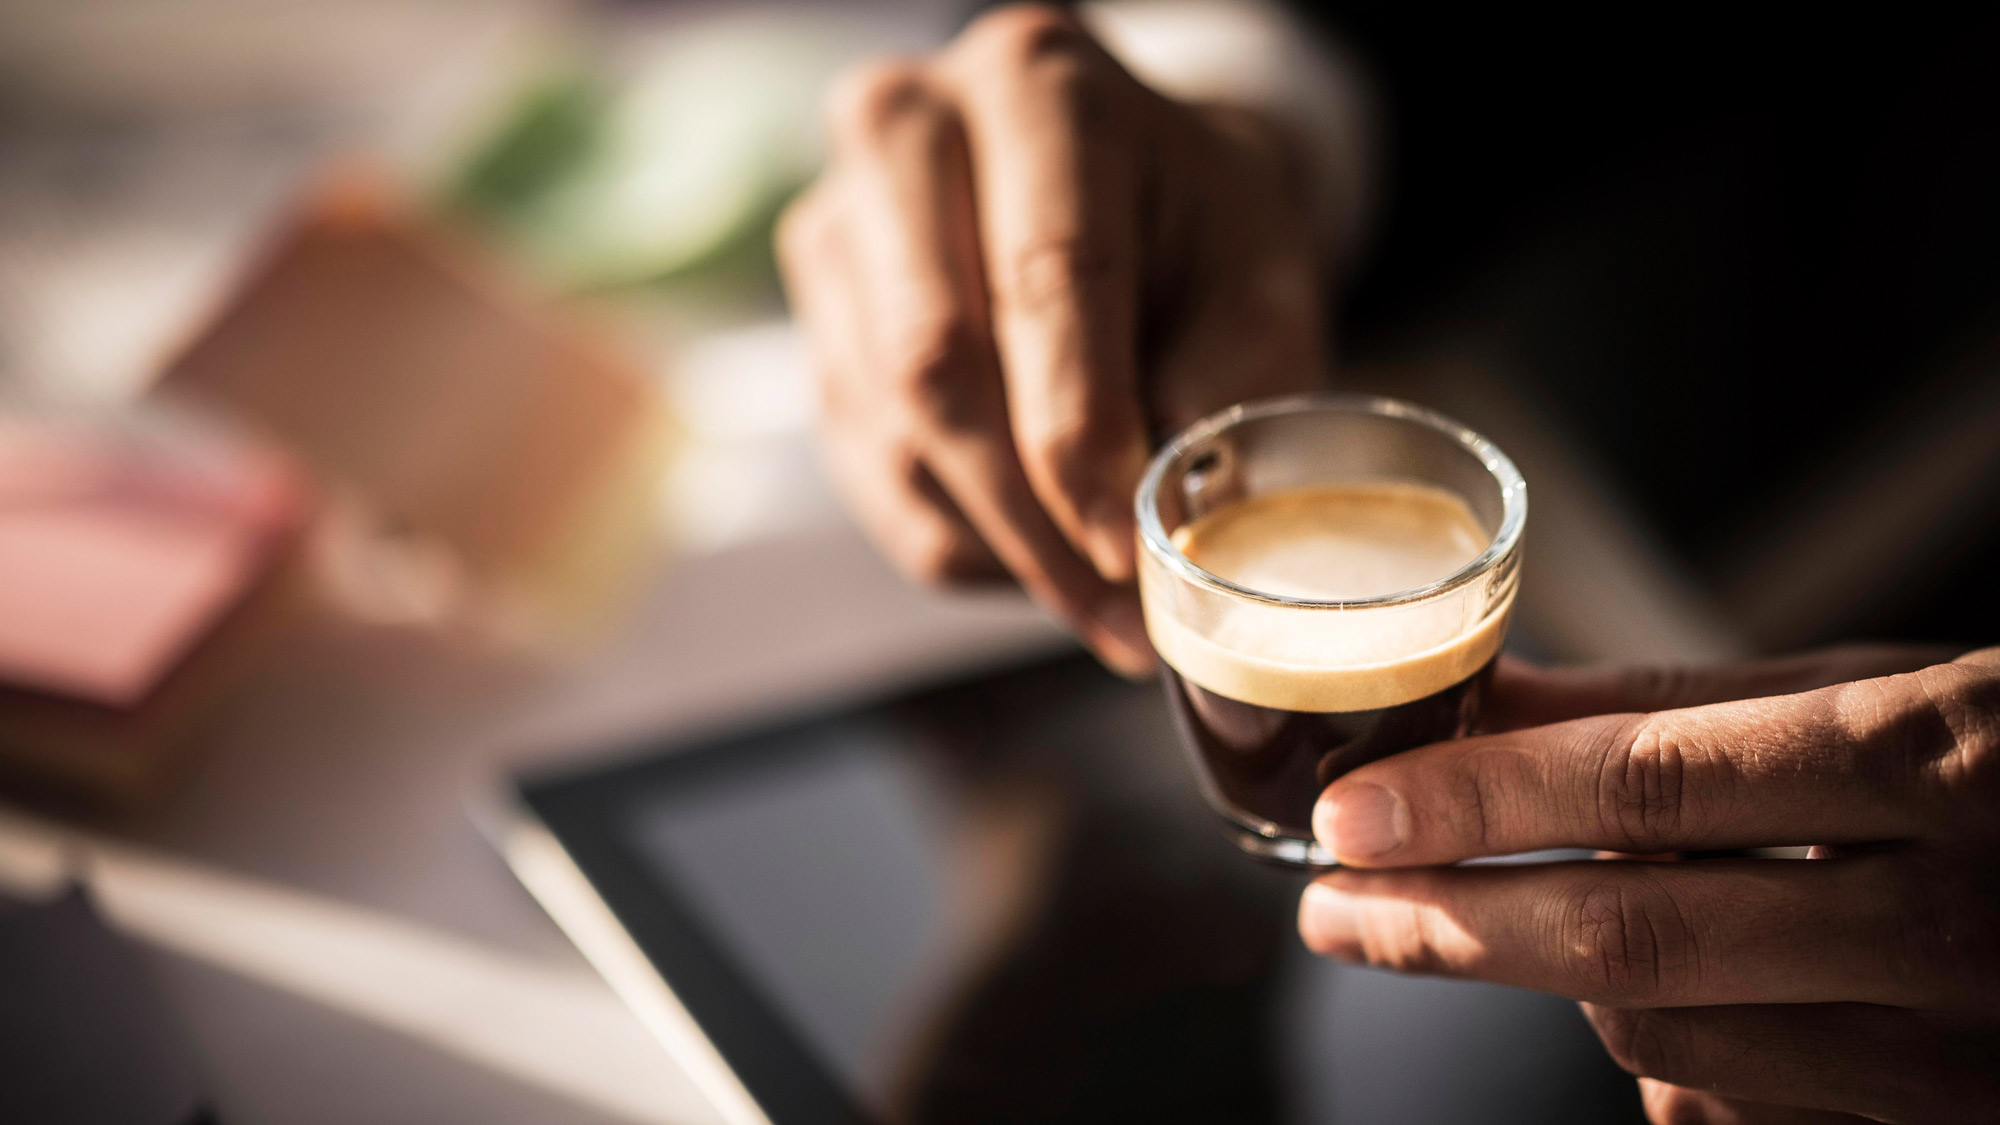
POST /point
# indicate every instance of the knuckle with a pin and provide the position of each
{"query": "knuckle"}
(926, 543)
(870, 98)
(1041, 55)
(1071, 442)
(931, 361)
(1051, 273)
(934, 556)
(1896, 727)
(1958, 709)
(1477, 781)
(1642, 1043)
(1482, 785)
(1642, 784)
(1629, 942)
(1026, 36)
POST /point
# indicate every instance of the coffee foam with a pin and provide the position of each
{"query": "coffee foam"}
(1329, 543)
(1335, 543)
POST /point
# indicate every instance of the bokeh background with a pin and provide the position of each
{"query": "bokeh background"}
(398, 393)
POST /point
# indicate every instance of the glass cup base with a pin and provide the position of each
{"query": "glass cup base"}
(1285, 850)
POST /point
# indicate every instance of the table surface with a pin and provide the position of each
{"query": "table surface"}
(319, 903)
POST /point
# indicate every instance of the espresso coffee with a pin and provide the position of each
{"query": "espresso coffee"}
(1281, 698)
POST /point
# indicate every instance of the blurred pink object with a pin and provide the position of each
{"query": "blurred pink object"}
(120, 548)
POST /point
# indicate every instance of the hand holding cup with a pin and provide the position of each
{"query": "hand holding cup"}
(1863, 981)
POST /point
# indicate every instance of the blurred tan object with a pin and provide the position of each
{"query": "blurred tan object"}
(139, 570)
(455, 413)
(148, 143)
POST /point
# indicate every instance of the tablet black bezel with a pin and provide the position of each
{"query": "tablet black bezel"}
(586, 810)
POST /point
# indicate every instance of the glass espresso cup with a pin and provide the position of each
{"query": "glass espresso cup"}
(1328, 580)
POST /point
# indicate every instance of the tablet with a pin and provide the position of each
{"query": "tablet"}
(1002, 899)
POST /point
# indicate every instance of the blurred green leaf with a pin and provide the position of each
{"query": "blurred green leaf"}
(552, 131)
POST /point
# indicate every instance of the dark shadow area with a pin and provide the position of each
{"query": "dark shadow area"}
(1004, 901)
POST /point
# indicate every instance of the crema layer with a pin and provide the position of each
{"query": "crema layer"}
(1292, 681)
(1330, 543)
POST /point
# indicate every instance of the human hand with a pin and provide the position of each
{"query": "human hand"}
(1021, 265)
(1863, 981)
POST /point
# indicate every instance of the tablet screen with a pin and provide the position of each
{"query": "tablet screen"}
(1003, 901)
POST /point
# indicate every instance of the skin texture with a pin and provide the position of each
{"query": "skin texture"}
(1863, 982)
(1019, 269)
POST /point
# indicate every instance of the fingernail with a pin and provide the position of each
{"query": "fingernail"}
(1328, 921)
(1363, 822)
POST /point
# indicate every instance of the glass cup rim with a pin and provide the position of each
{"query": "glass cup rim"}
(1513, 493)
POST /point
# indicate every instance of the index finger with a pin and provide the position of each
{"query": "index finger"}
(1857, 762)
(919, 286)
(1057, 185)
